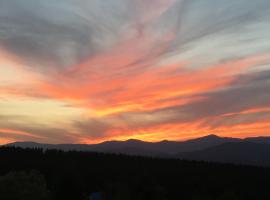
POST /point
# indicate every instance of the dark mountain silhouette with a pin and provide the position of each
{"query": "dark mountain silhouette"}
(137, 146)
(209, 148)
(250, 153)
(258, 139)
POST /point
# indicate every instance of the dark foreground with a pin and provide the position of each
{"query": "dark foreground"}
(42, 175)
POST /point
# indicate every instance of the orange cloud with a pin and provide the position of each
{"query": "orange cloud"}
(249, 111)
(6, 141)
(11, 135)
(129, 78)
(151, 89)
(192, 129)
(184, 131)
(18, 132)
(130, 89)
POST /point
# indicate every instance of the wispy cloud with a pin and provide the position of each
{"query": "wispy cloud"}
(157, 69)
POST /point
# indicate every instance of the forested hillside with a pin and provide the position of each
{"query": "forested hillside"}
(53, 175)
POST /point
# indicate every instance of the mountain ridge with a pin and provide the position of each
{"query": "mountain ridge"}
(212, 148)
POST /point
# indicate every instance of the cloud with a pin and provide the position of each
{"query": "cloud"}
(18, 127)
(245, 103)
(15, 132)
(93, 128)
(120, 68)
(57, 34)
(218, 105)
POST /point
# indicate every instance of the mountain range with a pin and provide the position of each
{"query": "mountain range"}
(250, 151)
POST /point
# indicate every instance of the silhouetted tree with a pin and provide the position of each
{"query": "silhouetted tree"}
(77, 175)
(23, 185)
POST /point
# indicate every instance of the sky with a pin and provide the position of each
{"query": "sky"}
(78, 71)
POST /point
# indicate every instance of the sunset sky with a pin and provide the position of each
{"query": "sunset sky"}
(86, 71)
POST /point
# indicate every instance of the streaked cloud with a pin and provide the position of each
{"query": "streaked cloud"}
(88, 71)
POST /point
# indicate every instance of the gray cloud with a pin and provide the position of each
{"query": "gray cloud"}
(202, 18)
(211, 31)
(63, 33)
(236, 119)
(246, 95)
(240, 96)
(58, 34)
(32, 132)
(93, 128)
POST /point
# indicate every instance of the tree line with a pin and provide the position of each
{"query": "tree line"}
(54, 175)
